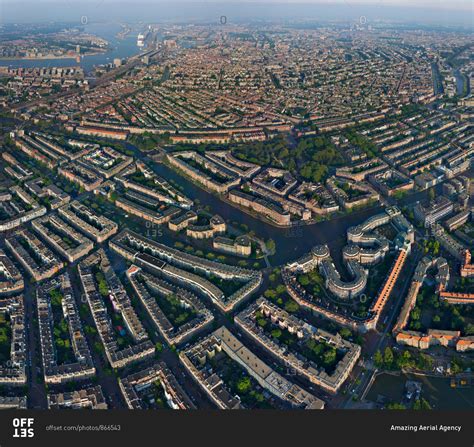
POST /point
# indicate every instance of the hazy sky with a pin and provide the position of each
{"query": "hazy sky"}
(444, 12)
(444, 4)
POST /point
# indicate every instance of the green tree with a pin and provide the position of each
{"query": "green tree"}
(469, 329)
(457, 366)
(421, 404)
(405, 360)
(329, 357)
(291, 306)
(244, 385)
(378, 359)
(276, 333)
(432, 194)
(304, 280)
(395, 406)
(388, 358)
(270, 293)
(424, 362)
(271, 246)
(280, 288)
(415, 314)
(345, 333)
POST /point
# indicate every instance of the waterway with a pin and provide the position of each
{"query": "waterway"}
(462, 84)
(120, 48)
(292, 242)
(436, 390)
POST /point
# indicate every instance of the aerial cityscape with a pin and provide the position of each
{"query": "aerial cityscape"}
(234, 212)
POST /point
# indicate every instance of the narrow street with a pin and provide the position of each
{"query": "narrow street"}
(105, 376)
(36, 389)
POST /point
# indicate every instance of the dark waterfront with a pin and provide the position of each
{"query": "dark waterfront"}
(439, 391)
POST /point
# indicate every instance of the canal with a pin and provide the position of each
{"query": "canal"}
(462, 83)
(290, 242)
(436, 390)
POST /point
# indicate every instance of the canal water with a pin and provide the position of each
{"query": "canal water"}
(462, 84)
(436, 390)
(292, 242)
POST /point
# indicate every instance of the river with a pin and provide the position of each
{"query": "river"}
(121, 48)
